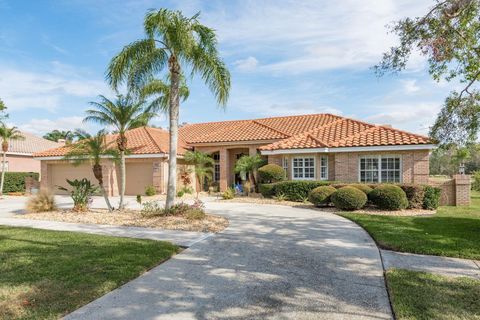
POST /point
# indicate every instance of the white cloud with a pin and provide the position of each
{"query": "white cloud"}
(248, 64)
(42, 126)
(410, 86)
(21, 89)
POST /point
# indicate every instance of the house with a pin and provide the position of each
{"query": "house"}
(19, 157)
(309, 147)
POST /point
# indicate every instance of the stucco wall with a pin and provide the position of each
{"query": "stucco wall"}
(22, 164)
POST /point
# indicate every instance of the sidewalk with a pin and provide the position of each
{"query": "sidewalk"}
(180, 238)
(452, 267)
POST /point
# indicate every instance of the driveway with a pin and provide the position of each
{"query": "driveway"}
(273, 262)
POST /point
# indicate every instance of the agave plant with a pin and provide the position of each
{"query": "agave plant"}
(81, 192)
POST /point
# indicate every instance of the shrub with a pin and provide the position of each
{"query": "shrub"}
(271, 173)
(415, 194)
(431, 200)
(280, 197)
(150, 191)
(476, 181)
(389, 197)
(41, 202)
(228, 194)
(15, 181)
(321, 195)
(180, 193)
(349, 198)
(81, 193)
(266, 189)
(362, 187)
(195, 214)
(139, 198)
(152, 208)
(297, 190)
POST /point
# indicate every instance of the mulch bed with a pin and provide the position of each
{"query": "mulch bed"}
(211, 223)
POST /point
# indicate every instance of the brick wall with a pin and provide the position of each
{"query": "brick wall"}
(455, 191)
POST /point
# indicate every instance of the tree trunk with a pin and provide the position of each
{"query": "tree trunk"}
(98, 173)
(174, 106)
(123, 178)
(3, 172)
(105, 196)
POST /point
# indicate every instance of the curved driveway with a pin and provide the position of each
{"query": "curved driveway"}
(273, 262)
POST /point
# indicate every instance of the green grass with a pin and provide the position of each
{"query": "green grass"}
(452, 231)
(46, 274)
(420, 295)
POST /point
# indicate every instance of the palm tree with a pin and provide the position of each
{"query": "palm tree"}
(247, 166)
(123, 114)
(56, 135)
(92, 149)
(203, 166)
(175, 42)
(7, 134)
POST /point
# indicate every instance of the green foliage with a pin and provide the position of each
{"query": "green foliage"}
(266, 189)
(180, 193)
(228, 194)
(247, 166)
(296, 190)
(320, 196)
(156, 208)
(271, 173)
(281, 197)
(447, 35)
(81, 193)
(150, 191)
(15, 181)
(56, 135)
(415, 194)
(349, 198)
(389, 197)
(139, 198)
(362, 187)
(43, 201)
(431, 200)
(476, 181)
(203, 166)
(195, 214)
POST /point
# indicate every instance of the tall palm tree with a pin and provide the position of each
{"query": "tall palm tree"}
(173, 43)
(92, 149)
(203, 164)
(122, 114)
(55, 135)
(247, 166)
(7, 134)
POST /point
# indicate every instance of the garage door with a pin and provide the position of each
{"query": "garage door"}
(139, 176)
(57, 173)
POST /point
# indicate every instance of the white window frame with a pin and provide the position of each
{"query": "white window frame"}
(285, 164)
(379, 170)
(303, 167)
(323, 157)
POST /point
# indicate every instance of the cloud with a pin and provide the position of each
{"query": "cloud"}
(248, 64)
(22, 89)
(410, 86)
(42, 126)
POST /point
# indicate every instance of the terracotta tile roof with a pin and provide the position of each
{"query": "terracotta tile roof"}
(293, 132)
(31, 144)
(144, 140)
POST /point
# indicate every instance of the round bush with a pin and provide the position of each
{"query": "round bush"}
(389, 197)
(271, 173)
(321, 195)
(362, 187)
(349, 198)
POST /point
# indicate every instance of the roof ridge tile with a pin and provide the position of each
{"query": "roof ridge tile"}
(273, 129)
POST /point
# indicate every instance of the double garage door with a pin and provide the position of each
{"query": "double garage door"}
(139, 176)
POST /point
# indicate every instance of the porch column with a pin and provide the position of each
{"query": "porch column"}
(224, 167)
(252, 150)
(43, 175)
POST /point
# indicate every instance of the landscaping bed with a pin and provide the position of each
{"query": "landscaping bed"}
(211, 223)
(48, 274)
(420, 295)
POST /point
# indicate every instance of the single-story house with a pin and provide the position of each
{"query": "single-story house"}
(308, 147)
(19, 157)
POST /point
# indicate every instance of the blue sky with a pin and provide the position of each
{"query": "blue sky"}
(285, 57)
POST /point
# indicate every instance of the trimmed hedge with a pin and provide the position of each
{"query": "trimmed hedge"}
(297, 190)
(321, 195)
(389, 197)
(271, 173)
(415, 194)
(362, 187)
(431, 199)
(349, 198)
(15, 181)
(267, 189)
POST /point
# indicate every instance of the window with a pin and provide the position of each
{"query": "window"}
(375, 169)
(324, 168)
(303, 168)
(285, 164)
(216, 167)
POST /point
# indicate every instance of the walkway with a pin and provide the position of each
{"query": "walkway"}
(441, 265)
(273, 262)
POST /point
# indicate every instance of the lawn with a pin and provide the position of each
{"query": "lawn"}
(419, 295)
(46, 274)
(452, 231)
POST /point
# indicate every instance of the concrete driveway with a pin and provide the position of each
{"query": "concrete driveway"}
(273, 262)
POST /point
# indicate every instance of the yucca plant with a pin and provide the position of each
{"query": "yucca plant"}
(81, 192)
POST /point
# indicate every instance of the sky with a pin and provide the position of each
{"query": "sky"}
(285, 58)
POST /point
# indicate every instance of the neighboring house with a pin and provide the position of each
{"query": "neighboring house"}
(309, 147)
(20, 153)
